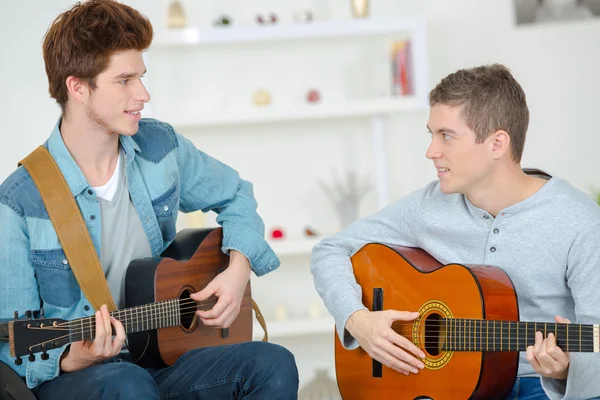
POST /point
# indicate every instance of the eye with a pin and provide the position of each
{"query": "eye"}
(447, 137)
(123, 82)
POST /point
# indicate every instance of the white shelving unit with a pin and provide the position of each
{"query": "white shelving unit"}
(376, 109)
(308, 112)
(293, 246)
(291, 287)
(193, 36)
(295, 327)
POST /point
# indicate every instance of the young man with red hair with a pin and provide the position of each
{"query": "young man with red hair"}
(130, 177)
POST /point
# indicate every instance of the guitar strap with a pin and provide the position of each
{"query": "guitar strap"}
(72, 231)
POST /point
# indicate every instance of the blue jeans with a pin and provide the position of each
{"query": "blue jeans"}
(527, 389)
(253, 370)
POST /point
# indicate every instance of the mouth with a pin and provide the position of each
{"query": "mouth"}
(441, 171)
(134, 115)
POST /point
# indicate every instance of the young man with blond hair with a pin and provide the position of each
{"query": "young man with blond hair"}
(483, 209)
(130, 177)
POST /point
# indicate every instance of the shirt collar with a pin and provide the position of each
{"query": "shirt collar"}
(69, 168)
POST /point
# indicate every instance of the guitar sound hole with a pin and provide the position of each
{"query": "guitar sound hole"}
(433, 328)
(187, 310)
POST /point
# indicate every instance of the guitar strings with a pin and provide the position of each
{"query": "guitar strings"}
(453, 339)
(459, 334)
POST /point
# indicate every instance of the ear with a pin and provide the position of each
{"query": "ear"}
(500, 144)
(78, 89)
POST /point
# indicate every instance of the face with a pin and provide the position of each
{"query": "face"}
(115, 105)
(461, 163)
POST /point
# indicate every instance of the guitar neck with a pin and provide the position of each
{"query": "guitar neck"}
(483, 335)
(162, 314)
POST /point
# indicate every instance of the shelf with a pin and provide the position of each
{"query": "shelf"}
(295, 328)
(193, 36)
(293, 246)
(305, 112)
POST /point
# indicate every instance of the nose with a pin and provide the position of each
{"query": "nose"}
(432, 151)
(142, 93)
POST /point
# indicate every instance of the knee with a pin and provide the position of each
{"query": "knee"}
(278, 370)
(126, 380)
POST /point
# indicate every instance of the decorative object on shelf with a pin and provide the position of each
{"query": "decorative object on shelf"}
(308, 231)
(270, 20)
(223, 20)
(176, 17)
(303, 17)
(195, 219)
(549, 11)
(313, 96)
(321, 387)
(280, 313)
(261, 97)
(277, 233)
(360, 8)
(401, 68)
(315, 310)
(346, 196)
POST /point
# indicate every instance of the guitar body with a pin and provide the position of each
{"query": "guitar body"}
(187, 266)
(412, 280)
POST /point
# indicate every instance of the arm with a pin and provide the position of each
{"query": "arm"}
(583, 278)
(207, 184)
(19, 292)
(331, 266)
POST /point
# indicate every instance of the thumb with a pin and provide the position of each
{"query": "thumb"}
(205, 293)
(403, 315)
(562, 320)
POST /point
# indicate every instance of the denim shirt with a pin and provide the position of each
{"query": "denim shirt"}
(165, 173)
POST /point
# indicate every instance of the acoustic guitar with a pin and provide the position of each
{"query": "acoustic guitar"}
(468, 328)
(159, 317)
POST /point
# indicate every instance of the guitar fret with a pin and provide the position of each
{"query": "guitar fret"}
(487, 334)
(500, 335)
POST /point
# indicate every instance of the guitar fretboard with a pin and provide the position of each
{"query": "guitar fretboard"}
(484, 335)
(163, 314)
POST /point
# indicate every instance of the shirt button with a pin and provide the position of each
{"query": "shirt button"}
(92, 217)
(486, 216)
(65, 261)
(166, 207)
(90, 192)
(496, 230)
(86, 307)
(492, 249)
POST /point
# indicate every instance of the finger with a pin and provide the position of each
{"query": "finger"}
(107, 329)
(220, 321)
(539, 338)
(231, 316)
(555, 351)
(402, 315)
(401, 355)
(117, 344)
(98, 342)
(221, 305)
(404, 343)
(205, 293)
(391, 362)
(530, 356)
